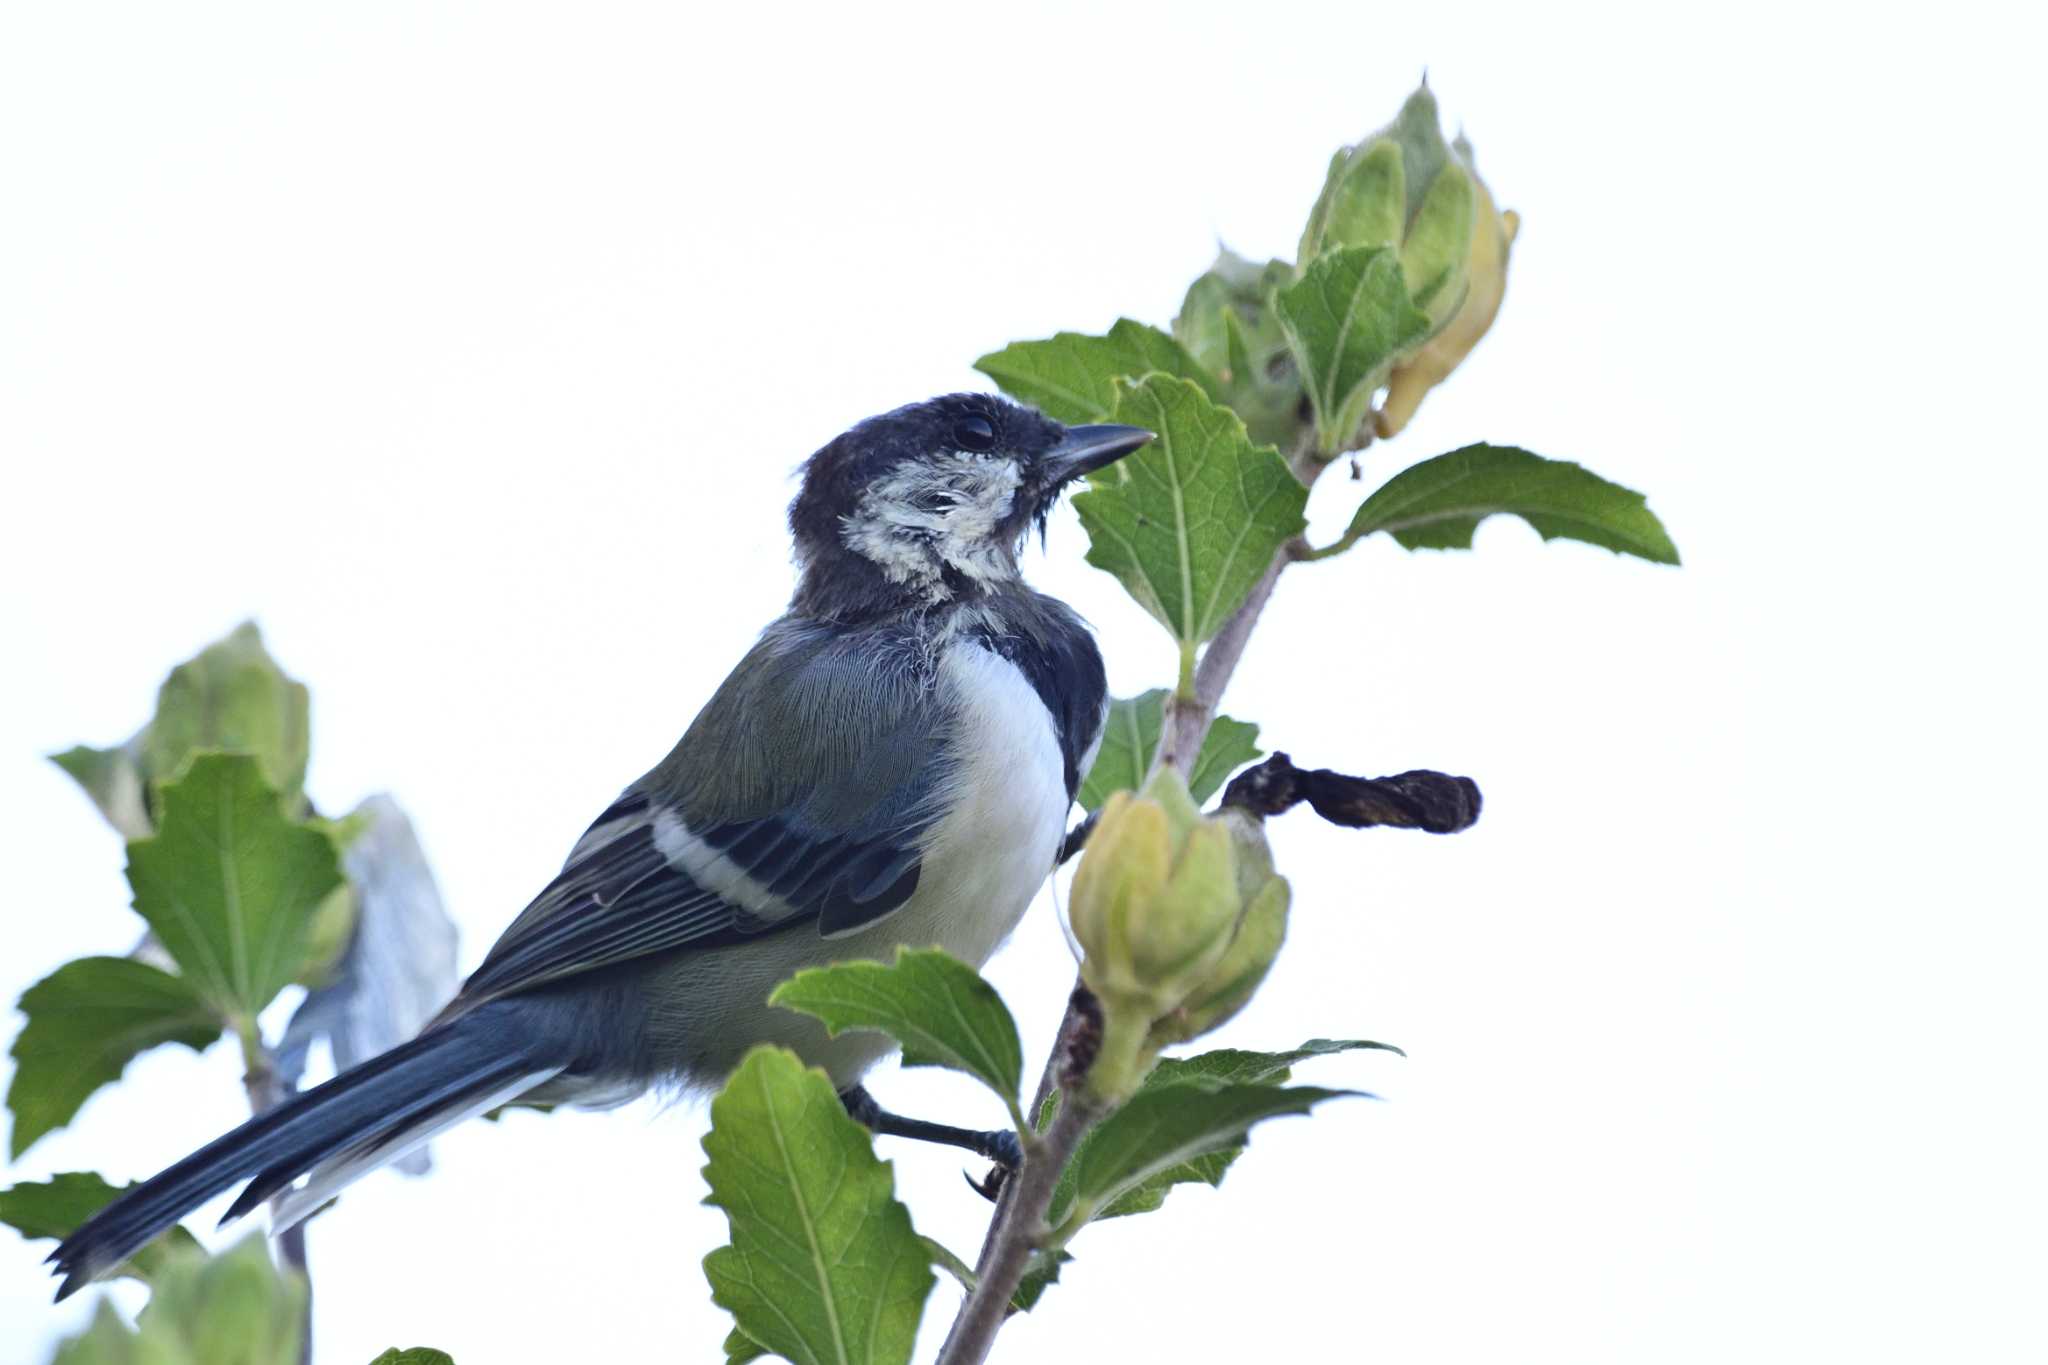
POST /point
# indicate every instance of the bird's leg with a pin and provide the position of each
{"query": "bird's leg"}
(998, 1145)
(1077, 838)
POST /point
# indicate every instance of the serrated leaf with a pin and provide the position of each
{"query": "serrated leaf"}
(229, 884)
(1072, 376)
(232, 696)
(824, 1267)
(232, 1309)
(1130, 741)
(55, 1208)
(1163, 1127)
(1194, 517)
(85, 1022)
(1439, 503)
(1348, 318)
(414, 1355)
(937, 1007)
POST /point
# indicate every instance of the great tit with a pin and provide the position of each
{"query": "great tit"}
(892, 763)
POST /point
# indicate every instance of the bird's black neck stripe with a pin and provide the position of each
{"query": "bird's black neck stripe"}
(1056, 653)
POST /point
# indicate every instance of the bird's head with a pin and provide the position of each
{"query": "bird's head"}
(932, 502)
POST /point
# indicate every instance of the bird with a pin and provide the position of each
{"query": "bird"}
(892, 763)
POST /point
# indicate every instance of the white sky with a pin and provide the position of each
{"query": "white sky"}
(471, 351)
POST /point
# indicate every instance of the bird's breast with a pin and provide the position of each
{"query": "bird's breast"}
(1005, 810)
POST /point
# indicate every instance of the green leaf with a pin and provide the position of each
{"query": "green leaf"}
(1166, 1126)
(824, 1267)
(86, 1021)
(1348, 318)
(936, 1006)
(1147, 1195)
(1196, 516)
(114, 779)
(230, 1309)
(229, 884)
(1130, 741)
(55, 1208)
(1232, 1066)
(1235, 1066)
(1040, 1273)
(414, 1355)
(232, 696)
(739, 1348)
(1439, 503)
(1072, 377)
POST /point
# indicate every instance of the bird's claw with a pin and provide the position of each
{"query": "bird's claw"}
(1002, 1148)
(990, 1186)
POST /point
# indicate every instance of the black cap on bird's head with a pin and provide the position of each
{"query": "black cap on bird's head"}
(932, 501)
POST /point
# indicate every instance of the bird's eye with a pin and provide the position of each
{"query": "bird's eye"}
(974, 433)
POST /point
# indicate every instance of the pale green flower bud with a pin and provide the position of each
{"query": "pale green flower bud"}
(1154, 906)
(1486, 280)
(1405, 188)
(1155, 900)
(1261, 929)
(1408, 189)
(1228, 324)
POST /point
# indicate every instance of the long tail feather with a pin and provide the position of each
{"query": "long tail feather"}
(442, 1070)
(337, 1173)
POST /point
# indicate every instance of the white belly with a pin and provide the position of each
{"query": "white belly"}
(983, 863)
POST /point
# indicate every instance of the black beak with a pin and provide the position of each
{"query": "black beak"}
(1087, 449)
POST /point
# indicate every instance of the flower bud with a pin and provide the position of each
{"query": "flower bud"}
(1407, 189)
(1155, 901)
(1486, 280)
(1154, 907)
(1228, 324)
(1262, 927)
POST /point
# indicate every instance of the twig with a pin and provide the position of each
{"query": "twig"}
(1019, 1221)
(1016, 1231)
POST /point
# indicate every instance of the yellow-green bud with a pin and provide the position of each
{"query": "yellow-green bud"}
(232, 696)
(1486, 280)
(1228, 323)
(1154, 907)
(1406, 188)
(1260, 930)
(1155, 901)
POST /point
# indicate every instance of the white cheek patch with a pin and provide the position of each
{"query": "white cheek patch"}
(928, 517)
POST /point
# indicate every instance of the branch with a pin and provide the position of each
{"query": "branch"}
(1019, 1222)
(1016, 1232)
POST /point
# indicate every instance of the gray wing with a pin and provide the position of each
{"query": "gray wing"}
(799, 798)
